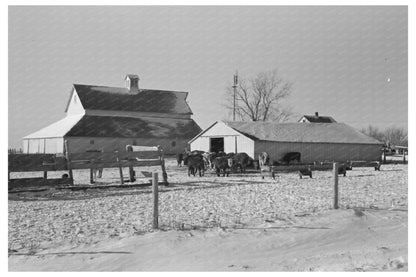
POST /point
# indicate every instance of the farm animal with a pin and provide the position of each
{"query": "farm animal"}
(342, 169)
(208, 159)
(264, 159)
(240, 160)
(195, 164)
(179, 158)
(186, 154)
(222, 164)
(305, 172)
(100, 170)
(291, 156)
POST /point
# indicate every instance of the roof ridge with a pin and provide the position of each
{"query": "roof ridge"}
(142, 89)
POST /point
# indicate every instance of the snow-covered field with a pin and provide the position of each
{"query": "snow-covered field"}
(57, 218)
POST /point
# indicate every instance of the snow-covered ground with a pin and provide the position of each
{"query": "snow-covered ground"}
(194, 211)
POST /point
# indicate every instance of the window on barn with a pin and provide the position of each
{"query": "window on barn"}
(173, 143)
(91, 141)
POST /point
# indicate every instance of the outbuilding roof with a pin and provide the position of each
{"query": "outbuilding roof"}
(121, 99)
(319, 119)
(57, 129)
(301, 132)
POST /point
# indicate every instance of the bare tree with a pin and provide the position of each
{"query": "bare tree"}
(373, 132)
(395, 136)
(260, 98)
(390, 136)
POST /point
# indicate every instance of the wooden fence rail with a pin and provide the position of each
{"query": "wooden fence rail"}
(145, 156)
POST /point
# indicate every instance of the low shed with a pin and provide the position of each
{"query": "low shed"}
(315, 142)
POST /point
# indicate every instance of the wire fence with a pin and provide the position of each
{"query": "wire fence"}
(15, 151)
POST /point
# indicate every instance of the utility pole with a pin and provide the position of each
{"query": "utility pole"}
(235, 88)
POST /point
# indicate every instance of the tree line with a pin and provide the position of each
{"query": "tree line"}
(390, 136)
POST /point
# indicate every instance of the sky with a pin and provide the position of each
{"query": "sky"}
(348, 62)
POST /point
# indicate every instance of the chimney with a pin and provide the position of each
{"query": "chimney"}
(316, 114)
(132, 83)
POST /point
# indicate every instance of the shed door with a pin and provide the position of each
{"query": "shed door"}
(216, 145)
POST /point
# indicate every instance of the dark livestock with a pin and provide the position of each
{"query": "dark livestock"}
(291, 156)
(179, 158)
(187, 154)
(241, 160)
(222, 164)
(305, 172)
(195, 164)
(342, 169)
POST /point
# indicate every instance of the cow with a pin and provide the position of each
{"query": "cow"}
(264, 159)
(305, 172)
(99, 170)
(240, 160)
(186, 154)
(179, 158)
(222, 164)
(291, 156)
(342, 169)
(208, 158)
(195, 164)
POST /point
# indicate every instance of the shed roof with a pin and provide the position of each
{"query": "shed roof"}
(128, 127)
(300, 132)
(57, 129)
(121, 99)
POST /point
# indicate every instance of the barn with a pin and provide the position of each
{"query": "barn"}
(100, 118)
(315, 142)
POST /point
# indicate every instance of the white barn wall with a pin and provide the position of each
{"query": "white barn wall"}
(244, 144)
(201, 143)
(82, 144)
(75, 106)
(43, 145)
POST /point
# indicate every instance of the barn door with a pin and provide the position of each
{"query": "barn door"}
(216, 145)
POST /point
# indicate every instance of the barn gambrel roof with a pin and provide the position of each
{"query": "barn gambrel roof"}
(298, 132)
(121, 99)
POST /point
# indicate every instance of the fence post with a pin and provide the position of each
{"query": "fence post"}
(404, 157)
(91, 175)
(336, 186)
(155, 189)
(131, 174)
(71, 176)
(162, 164)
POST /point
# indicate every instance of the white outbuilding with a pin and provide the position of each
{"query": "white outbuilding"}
(316, 142)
